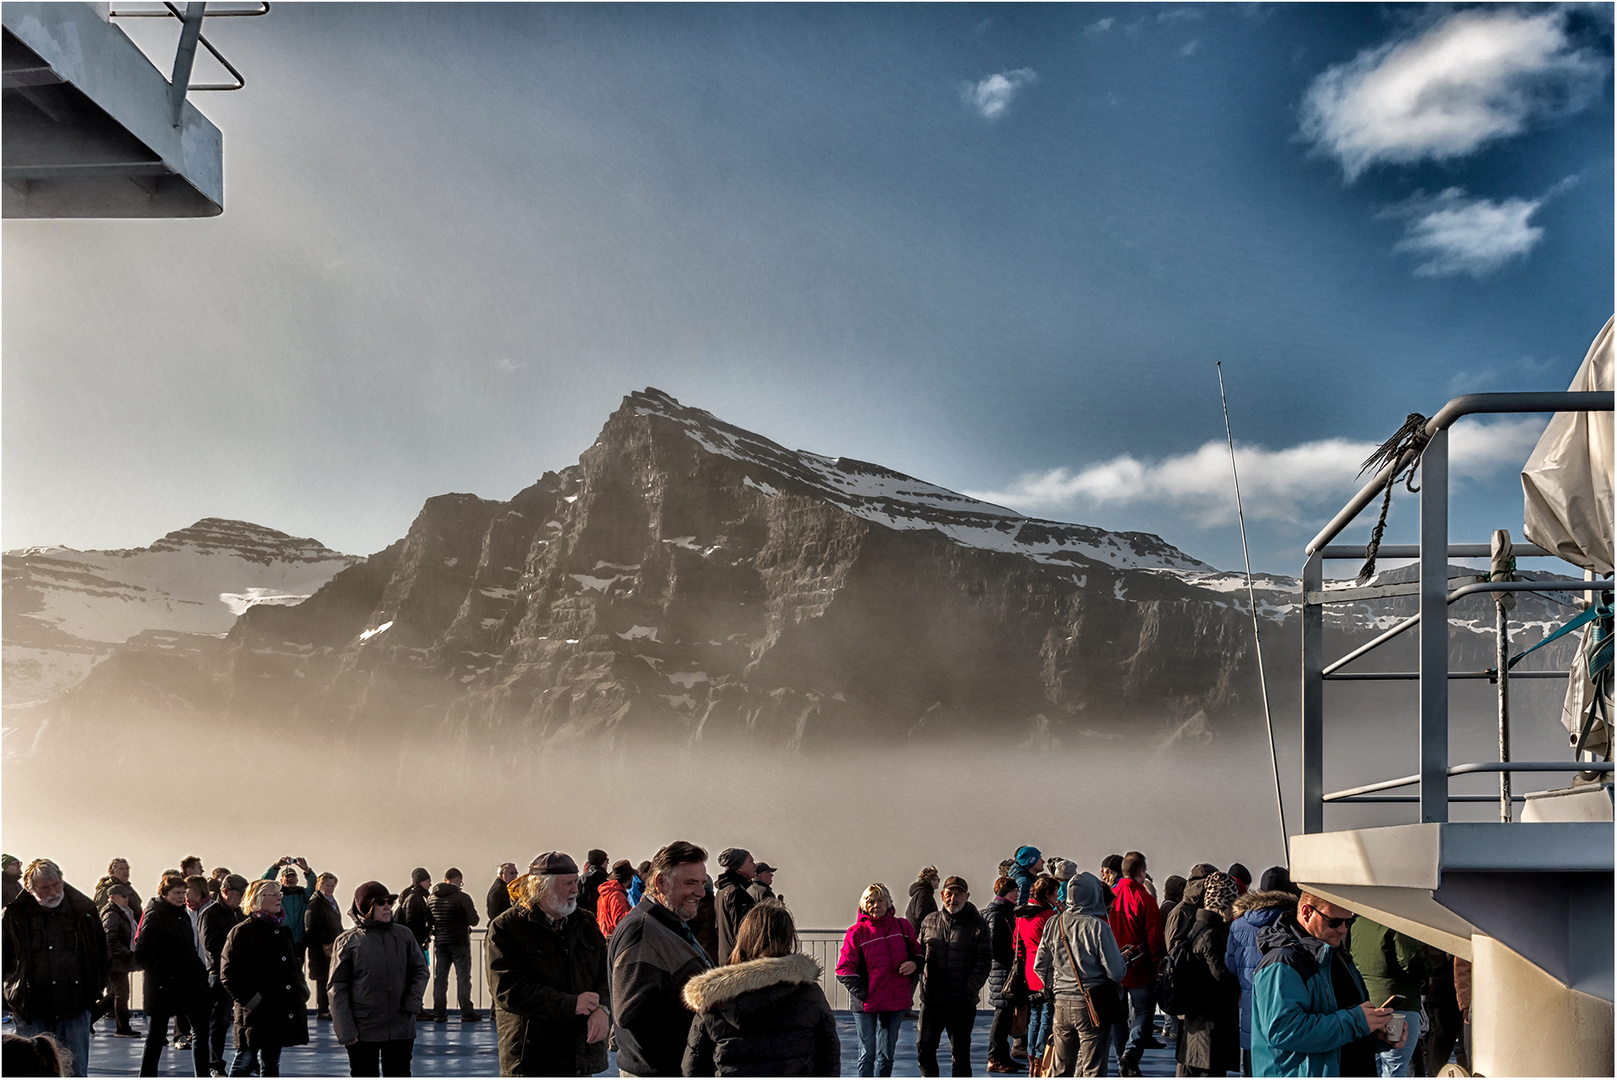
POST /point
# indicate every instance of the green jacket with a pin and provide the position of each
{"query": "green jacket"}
(1391, 963)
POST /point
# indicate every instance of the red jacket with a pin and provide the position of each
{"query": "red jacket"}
(611, 905)
(1136, 921)
(872, 951)
(1030, 920)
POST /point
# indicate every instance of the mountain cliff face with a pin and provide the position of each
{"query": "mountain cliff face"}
(689, 580)
(65, 610)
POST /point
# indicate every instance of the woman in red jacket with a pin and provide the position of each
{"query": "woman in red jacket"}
(1030, 920)
(880, 955)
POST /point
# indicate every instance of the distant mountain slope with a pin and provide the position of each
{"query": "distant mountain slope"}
(64, 609)
(688, 580)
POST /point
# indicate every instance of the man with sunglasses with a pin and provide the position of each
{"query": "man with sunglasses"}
(1311, 1014)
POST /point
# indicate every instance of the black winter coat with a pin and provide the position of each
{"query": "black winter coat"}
(1212, 1033)
(415, 913)
(536, 974)
(1176, 927)
(959, 957)
(218, 920)
(453, 914)
(651, 957)
(766, 1017)
(923, 902)
(119, 924)
(322, 921)
(498, 900)
(589, 888)
(260, 971)
(1000, 915)
(55, 959)
(176, 978)
(731, 902)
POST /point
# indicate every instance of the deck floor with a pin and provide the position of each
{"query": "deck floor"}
(456, 1049)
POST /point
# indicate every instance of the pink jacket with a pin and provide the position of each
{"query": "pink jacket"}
(872, 951)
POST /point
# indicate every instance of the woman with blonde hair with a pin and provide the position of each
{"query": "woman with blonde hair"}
(260, 969)
(763, 1013)
(880, 957)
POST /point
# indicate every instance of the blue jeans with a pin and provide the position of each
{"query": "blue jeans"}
(876, 1058)
(248, 1060)
(1390, 1062)
(1038, 1029)
(1130, 1038)
(74, 1033)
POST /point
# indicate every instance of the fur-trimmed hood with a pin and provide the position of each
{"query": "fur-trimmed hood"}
(717, 987)
(1262, 899)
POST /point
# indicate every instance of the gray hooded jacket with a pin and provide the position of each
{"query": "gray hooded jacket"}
(1086, 929)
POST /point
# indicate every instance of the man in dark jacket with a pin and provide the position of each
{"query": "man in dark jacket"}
(216, 922)
(453, 916)
(1000, 915)
(923, 896)
(959, 956)
(412, 911)
(55, 959)
(119, 920)
(498, 900)
(322, 924)
(731, 900)
(763, 883)
(10, 879)
(547, 976)
(589, 885)
(653, 954)
(1176, 927)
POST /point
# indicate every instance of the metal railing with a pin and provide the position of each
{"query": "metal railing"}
(180, 82)
(1435, 595)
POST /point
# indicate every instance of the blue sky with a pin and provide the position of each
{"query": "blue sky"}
(998, 247)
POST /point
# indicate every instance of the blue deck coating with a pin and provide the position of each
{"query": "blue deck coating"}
(456, 1049)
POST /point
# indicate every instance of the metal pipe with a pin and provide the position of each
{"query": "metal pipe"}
(1313, 692)
(1408, 676)
(184, 56)
(1434, 629)
(1416, 799)
(1412, 551)
(1529, 766)
(1563, 401)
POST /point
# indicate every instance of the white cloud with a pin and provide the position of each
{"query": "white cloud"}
(1190, 47)
(1453, 234)
(1295, 484)
(1476, 76)
(1100, 26)
(991, 96)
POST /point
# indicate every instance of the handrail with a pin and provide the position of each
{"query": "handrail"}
(1567, 585)
(1468, 404)
(170, 11)
(1475, 767)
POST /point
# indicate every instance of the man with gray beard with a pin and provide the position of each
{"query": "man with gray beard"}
(547, 976)
(55, 960)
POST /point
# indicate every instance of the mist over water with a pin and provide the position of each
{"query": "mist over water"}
(833, 822)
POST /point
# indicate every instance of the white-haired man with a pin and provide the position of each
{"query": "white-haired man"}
(547, 976)
(55, 960)
(653, 954)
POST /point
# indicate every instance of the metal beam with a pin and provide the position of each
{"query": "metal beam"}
(1313, 747)
(1434, 629)
(184, 58)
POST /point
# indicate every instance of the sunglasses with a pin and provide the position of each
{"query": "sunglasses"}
(1334, 924)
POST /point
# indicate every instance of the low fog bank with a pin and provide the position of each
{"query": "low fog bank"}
(831, 821)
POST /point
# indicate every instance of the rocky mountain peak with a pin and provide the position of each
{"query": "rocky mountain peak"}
(244, 540)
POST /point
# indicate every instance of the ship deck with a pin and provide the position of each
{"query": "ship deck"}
(456, 1049)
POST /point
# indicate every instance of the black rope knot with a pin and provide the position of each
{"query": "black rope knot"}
(1409, 440)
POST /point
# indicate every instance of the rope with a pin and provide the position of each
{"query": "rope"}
(1410, 439)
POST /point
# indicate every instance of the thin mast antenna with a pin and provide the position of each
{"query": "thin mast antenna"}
(1257, 633)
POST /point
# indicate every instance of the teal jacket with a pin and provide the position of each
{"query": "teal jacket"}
(1298, 1028)
(293, 903)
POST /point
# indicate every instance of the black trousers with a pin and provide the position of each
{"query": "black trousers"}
(156, 1032)
(221, 1011)
(319, 972)
(118, 982)
(391, 1058)
(958, 1021)
(999, 1035)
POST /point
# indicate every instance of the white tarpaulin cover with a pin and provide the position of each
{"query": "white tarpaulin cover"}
(1567, 488)
(1567, 482)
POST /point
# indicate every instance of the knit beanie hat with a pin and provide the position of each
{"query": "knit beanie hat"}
(1026, 856)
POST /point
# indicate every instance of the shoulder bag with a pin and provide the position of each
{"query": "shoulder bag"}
(1105, 999)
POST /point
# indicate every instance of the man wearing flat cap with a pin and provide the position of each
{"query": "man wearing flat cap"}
(959, 954)
(732, 901)
(763, 884)
(378, 976)
(548, 977)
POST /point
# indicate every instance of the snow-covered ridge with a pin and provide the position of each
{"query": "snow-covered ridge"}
(897, 501)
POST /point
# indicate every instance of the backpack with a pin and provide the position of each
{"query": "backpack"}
(1176, 978)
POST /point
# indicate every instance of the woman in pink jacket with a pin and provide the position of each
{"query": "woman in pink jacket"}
(880, 955)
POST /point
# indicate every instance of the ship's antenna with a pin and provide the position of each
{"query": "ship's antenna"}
(1257, 633)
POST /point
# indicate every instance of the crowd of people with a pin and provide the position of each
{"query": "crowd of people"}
(684, 974)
